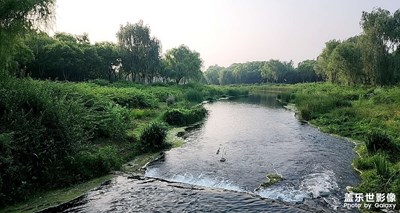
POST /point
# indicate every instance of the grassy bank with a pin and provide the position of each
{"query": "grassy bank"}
(54, 135)
(370, 115)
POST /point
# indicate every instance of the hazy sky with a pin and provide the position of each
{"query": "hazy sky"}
(225, 31)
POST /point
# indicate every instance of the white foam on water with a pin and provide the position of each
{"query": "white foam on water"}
(200, 180)
(312, 186)
(318, 183)
(206, 181)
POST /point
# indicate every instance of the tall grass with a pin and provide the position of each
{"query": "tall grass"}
(369, 114)
(53, 134)
(183, 117)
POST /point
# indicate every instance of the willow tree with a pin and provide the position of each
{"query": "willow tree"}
(17, 17)
(141, 52)
(183, 63)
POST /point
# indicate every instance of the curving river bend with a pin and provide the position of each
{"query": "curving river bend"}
(256, 136)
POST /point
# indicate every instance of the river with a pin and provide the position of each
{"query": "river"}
(255, 136)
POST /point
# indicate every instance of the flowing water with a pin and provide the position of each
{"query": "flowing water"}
(257, 136)
(253, 136)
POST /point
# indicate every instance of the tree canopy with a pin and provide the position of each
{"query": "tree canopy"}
(183, 64)
(273, 71)
(16, 18)
(370, 58)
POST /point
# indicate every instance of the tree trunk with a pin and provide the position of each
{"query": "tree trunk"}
(178, 80)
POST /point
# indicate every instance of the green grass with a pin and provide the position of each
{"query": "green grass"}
(367, 114)
(67, 133)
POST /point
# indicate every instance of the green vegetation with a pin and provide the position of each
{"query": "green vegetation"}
(369, 114)
(57, 134)
(183, 117)
(370, 58)
(153, 137)
(73, 58)
(272, 71)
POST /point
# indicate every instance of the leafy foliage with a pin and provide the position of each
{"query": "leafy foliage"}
(153, 137)
(183, 63)
(262, 71)
(182, 117)
(378, 140)
(194, 96)
(370, 58)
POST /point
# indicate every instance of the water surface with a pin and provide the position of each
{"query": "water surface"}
(257, 136)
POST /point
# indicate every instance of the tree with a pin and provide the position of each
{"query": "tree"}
(346, 61)
(305, 72)
(183, 63)
(323, 66)
(140, 51)
(226, 76)
(248, 73)
(110, 60)
(17, 17)
(212, 74)
(374, 43)
(276, 71)
(22, 58)
(153, 63)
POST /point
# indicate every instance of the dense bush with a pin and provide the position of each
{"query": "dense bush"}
(52, 133)
(286, 97)
(378, 140)
(182, 117)
(312, 106)
(39, 131)
(153, 137)
(194, 96)
(100, 82)
(42, 126)
(90, 164)
(382, 167)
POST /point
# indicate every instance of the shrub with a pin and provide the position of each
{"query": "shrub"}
(233, 92)
(369, 162)
(182, 117)
(312, 106)
(194, 96)
(170, 100)
(90, 164)
(142, 113)
(382, 167)
(286, 97)
(43, 126)
(110, 121)
(100, 82)
(42, 131)
(378, 140)
(153, 137)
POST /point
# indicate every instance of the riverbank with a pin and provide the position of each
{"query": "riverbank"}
(369, 115)
(60, 134)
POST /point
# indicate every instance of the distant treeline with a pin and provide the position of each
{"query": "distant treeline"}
(136, 57)
(273, 71)
(371, 58)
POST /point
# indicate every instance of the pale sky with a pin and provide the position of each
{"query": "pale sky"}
(225, 31)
